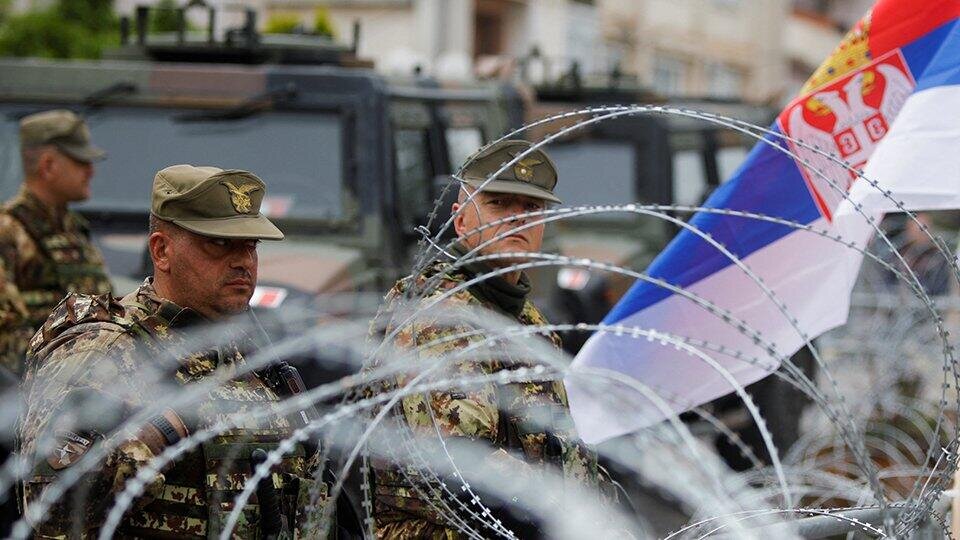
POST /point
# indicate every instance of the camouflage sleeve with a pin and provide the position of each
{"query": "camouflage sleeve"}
(74, 400)
(13, 311)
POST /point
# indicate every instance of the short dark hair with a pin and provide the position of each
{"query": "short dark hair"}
(30, 157)
(156, 225)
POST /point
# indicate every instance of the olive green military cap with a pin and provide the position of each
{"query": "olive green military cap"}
(212, 202)
(62, 128)
(534, 175)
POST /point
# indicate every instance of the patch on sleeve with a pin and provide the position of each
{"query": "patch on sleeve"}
(69, 448)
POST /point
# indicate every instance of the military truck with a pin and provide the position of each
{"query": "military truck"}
(350, 156)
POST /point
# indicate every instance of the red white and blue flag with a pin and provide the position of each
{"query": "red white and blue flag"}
(888, 101)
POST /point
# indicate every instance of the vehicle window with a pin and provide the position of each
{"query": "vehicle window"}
(462, 142)
(299, 156)
(689, 177)
(729, 159)
(595, 172)
(413, 173)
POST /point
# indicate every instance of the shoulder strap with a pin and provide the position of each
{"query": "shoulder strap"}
(80, 223)
(37, 229)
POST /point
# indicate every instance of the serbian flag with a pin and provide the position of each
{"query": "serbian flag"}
(887, 101)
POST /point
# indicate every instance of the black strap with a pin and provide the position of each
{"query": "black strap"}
(166, 428)
(271, 520)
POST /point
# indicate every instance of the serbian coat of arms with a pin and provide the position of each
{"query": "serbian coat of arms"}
(846, 118)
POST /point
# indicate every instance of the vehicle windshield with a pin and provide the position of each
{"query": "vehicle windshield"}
(299, 155)
(595, 172)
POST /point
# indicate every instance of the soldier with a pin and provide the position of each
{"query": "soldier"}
(45, 250)
(505, 416)
(98, 361)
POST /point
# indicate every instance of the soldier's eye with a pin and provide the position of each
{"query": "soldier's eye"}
(219, 242)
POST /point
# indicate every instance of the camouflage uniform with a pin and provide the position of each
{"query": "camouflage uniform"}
(101, 346)
(44, 254)
(495, 413)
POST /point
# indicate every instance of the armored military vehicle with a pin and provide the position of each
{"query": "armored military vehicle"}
(350, 156)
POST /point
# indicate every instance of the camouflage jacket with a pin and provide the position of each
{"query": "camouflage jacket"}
(499, 415)
(44, 254)
(115, 358)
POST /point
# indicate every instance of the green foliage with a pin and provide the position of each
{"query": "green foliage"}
(92, 15)
(4, 9)
(322, 23)
(163, 17)
(68, 29)
(283, 23)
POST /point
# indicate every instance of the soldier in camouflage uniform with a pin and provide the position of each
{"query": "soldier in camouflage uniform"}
(508, 417)
(99, 361)
(45, 250)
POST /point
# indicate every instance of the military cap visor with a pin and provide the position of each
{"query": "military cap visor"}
(525, 172)
(64, 130)
(213, 202)
(514, 188)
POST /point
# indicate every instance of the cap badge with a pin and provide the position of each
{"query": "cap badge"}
(239, 196)
(523, 169)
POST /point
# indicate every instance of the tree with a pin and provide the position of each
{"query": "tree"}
(322, 23)
(4, 9)
(68, 29)
(164, 17)
(284, 23)
(92, 15)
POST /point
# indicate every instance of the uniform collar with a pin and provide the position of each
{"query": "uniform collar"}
(508, 297)
(175, 316)
(161, 315)
(56, 216)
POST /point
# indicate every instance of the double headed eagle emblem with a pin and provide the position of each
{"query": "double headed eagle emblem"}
(239, 196)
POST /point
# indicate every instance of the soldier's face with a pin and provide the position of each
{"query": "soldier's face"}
(70, 179)
(213, 276)
(492, 207)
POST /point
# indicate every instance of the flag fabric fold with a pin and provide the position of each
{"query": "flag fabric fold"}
(886, 101)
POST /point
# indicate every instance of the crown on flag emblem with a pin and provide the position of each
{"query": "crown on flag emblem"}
(846, 118)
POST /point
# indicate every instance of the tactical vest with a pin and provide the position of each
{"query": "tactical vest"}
(200, 488)
(70, 263)
(533, 425)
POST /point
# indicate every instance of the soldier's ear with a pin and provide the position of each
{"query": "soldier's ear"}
(457, 218)
(47, 163)
(160, 245)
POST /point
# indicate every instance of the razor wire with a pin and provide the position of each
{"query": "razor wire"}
(852, 450)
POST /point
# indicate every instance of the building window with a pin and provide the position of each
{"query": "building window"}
(725, 81)
(669, 74)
